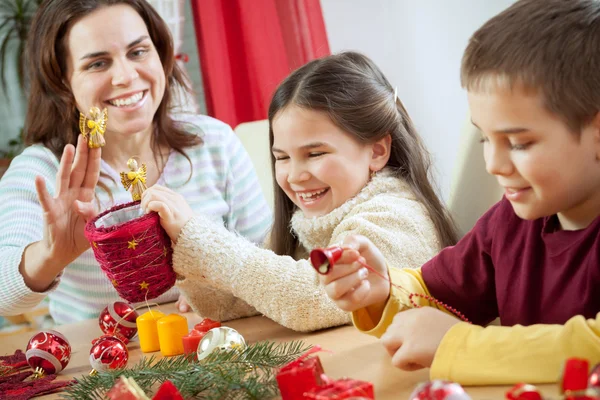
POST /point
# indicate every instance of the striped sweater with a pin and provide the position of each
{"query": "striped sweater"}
(223, 185)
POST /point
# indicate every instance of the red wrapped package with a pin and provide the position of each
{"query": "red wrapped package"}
(126, 389)
(342, 389)
(300, 376)
(167, 391)
(206, 325)
(574, 375)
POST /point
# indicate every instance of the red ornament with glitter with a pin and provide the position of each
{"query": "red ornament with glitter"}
(118, 317)
(48, 352)
(133, 250)
(439, 390)
(108, 352)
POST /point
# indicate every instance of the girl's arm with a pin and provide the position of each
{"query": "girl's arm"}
(225, 276)
(283, 289)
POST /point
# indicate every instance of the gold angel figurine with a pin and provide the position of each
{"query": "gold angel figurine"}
(93, 128)
(134, 179)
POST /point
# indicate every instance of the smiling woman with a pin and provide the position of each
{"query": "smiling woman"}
(114, 54)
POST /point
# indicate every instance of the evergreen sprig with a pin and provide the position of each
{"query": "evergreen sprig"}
(246, 374)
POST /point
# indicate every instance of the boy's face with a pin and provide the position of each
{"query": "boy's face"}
(544, 168)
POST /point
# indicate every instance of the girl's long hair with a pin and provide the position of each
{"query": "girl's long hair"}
(358, 98)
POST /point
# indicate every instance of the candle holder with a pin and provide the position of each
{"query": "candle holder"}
(133, 250)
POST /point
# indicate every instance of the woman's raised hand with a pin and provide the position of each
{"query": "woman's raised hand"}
(72, 206)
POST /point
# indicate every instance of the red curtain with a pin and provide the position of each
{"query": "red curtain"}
(247, 47)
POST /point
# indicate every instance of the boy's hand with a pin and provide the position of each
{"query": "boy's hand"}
(173, 210)
(352, 286)
(415, 335)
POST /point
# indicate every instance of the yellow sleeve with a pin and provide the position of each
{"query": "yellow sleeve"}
(498, 355)
(377, 323)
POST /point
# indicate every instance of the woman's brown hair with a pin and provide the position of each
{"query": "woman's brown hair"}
(355, 94)
(52, 116)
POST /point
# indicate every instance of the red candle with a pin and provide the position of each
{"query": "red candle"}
(206, 325)
(191, 340)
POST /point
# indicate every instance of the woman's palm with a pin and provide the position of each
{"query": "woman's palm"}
(66, 213)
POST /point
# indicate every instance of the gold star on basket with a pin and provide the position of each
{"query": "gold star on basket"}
(144, 285)
(114, 283)
(132, 244)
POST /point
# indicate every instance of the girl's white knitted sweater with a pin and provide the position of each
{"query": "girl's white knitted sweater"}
(224, 276)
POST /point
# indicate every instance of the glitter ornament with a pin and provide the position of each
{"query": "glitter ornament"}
(108, 352)
(48, 352)
(439, 390)
(118, 317)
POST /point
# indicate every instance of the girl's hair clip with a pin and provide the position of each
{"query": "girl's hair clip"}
(395, 94)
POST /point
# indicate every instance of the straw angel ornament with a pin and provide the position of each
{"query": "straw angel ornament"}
(134, 179)
(93, 128)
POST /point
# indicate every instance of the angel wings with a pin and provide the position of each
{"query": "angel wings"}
(93, 128)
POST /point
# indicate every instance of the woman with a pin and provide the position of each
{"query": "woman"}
(78, 60)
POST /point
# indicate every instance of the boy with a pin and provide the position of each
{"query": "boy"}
(532, 74)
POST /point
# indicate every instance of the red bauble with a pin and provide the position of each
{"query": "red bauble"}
(108, 352)
(439, 390)
(523, 391)
(49, 351)
(118, 317)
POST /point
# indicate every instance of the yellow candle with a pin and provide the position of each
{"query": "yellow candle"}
(147, 330)
(171, 330)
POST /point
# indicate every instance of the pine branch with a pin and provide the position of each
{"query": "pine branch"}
(247, 374)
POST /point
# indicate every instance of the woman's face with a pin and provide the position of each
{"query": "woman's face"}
(112, 63)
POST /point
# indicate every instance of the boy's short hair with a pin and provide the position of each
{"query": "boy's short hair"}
(549, 46)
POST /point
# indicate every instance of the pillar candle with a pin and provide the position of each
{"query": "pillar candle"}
(191, 340)
(147, 330)
(171, 330)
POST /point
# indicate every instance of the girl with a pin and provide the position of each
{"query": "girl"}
(128, 66)
(346, 160)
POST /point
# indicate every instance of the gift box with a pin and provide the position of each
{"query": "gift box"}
(342, 389)
(133, 250)
(126, 389)
(574, 375)
(300, 376)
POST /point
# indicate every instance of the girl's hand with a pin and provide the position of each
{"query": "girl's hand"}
(415, 335)
(173, 210)
(182, 304)
(352, 286)
(66, 214)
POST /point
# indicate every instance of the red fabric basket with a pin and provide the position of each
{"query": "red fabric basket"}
(135, 255)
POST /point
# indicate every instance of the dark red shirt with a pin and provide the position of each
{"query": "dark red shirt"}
(525, 272)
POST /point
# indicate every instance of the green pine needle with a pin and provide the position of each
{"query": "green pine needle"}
(247, 374)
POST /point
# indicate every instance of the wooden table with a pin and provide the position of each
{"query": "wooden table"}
(353, 354)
